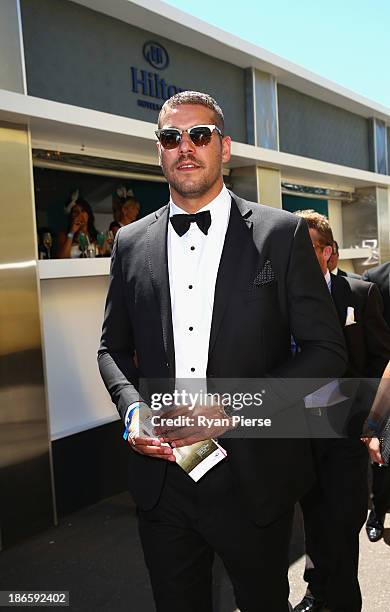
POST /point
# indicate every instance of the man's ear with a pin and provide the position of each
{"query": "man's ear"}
(158, 145)
(226, 146)
(328, 250)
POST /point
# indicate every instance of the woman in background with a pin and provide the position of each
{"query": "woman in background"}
(126, 210)
(81, 221)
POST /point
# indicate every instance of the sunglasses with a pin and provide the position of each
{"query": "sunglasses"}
(199, 134)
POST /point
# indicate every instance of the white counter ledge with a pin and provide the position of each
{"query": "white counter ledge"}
(73, 268)
(100, 266)
(355, 253)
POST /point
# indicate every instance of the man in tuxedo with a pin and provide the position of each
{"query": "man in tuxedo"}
(335, 509)
(379, 275)
(212, 286)
(333, 263)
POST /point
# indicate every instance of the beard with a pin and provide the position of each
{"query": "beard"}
(186, 186)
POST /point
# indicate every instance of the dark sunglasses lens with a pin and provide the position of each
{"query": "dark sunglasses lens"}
(169, 138)
(200, 136)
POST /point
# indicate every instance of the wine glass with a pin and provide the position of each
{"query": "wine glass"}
(110, 239)
(48, 242)
(83, 244)
(100, 239)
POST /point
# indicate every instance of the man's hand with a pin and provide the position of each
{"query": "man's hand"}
(197, 424)
(151, 447)
(146, 445)
(373, 447)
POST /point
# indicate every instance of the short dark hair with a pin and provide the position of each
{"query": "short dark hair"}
(320, 223)
(194, 97)
(335, 248)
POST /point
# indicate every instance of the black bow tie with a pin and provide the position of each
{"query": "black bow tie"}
(181, 223)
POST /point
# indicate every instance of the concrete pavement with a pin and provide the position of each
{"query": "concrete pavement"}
(374, 573)
(96, 555)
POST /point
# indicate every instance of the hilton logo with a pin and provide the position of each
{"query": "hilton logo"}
(150, 84)
(155, 55)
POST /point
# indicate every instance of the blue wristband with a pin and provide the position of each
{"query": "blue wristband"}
(128, 420)
(374, 425)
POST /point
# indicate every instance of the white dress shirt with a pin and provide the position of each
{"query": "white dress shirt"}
(193, 262)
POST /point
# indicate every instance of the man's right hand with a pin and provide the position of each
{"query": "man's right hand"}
(374, 449)
(151, 447)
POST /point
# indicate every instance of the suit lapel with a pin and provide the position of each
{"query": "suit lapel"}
(229, 268)
(342, 296)
(158, 266)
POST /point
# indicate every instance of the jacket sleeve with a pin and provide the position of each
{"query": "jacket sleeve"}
(377, 333)
(313, 318)
(116, 352)
(314, 326)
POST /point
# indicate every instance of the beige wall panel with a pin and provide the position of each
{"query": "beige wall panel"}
(336, 221)
(347, 265)
(25, 472)
(258, 184)
(269, 187)
(383, 204)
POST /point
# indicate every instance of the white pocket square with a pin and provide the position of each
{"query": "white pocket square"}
(350, 320)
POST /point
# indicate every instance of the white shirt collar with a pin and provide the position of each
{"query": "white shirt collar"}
(218, 207)
(327, 278)
(335, 271)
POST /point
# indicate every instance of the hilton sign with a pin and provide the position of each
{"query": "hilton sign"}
(150, 84)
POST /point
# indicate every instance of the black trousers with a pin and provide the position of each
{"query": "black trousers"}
(190, 523)
(380, 489)
(334, 512)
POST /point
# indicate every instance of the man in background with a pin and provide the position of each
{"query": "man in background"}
(333, 263)
(335, 509)
(380, 275)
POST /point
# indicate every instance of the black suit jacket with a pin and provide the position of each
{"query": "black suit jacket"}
(250, 337)
(344, 273)
(368, 340)
(380, 276)
(368, 349)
